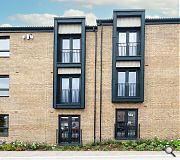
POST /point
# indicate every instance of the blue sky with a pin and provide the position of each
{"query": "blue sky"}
(41, 12)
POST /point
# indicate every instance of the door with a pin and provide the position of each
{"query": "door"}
(69, 129)
(126, 124)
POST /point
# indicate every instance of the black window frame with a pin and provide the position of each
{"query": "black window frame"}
(70, 37)
(136, 125)
(127, 70)
(4, 89)
(70, 76)
(8, 51)
(7, 128)
(70, 128)
(127, 31)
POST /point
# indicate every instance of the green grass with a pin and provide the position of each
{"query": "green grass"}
(109, 145)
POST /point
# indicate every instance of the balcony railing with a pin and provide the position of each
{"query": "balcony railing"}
(127, 89)
(75, 137)
(128, 49)
(71, 56)
(70, 96)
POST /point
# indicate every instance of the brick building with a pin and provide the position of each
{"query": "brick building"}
(73, 83)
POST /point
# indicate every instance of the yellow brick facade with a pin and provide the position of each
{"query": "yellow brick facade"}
(30, 104)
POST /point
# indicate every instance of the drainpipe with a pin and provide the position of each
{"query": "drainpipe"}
(95, 62)
(101, 49)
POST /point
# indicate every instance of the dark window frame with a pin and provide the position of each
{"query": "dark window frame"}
(70, 76)
(128, 30)
(70, 37)
(5, 89)
(136, 125)
(8, 51)
(70, 128)
(127, 70)
(7, 128)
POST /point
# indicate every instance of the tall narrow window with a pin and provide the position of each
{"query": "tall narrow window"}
(132, 83)
(70, 90)
(132, 44)
(4, 46)
(70, 49)
(76, 50)
(65, 90)
(4, 86)
(128, 44)
(121, 83)
(65, 51)
(4, 125)
(122, 44)
(127, 84)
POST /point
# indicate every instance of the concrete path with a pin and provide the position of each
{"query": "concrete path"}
(54, 155)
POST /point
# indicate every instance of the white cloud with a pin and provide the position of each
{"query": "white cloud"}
(162, 7)
(48, 19)
(90, 17)
(34, 19)
(5, 25)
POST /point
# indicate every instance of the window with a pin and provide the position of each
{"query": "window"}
(4, 46)
(70, 49)
(70, 89)
(4, 125)
(4, 86)
(128, 44)
(127, 83)
(69, 129)
(126, 124)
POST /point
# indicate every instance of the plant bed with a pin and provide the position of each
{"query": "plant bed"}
(109, 145)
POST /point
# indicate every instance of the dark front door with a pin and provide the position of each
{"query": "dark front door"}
(126, 124)
(69, 129)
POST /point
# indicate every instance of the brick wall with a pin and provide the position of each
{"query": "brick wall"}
(30, 67)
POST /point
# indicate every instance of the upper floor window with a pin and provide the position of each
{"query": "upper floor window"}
(70, 49)
(4, 125)
(4, 46)
(128, 85)
(128, 44)
(70, 89)
(4, 86)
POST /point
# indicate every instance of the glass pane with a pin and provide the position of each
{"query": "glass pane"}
(76, 43)
(3, 132)
(122, 44)
(65, 51)
(65, 90)
(75, 89)
(64, 129)
(133, 44)
(4, 93)
(75, 130)
(4, 44)
(131, 124)
(66, 44)
(120, 124)
(132, 83)
(76, 50)
(121, 83)
(4, 54)
(4, 121)
(4, 83)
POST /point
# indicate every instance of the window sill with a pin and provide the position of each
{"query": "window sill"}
(127, 99)
(61, 65)
(68, 106)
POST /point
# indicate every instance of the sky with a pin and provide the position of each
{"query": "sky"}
(42, 12)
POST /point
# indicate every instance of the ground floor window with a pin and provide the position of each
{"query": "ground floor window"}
(126, 124)
(69, 129)
(4, 125)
